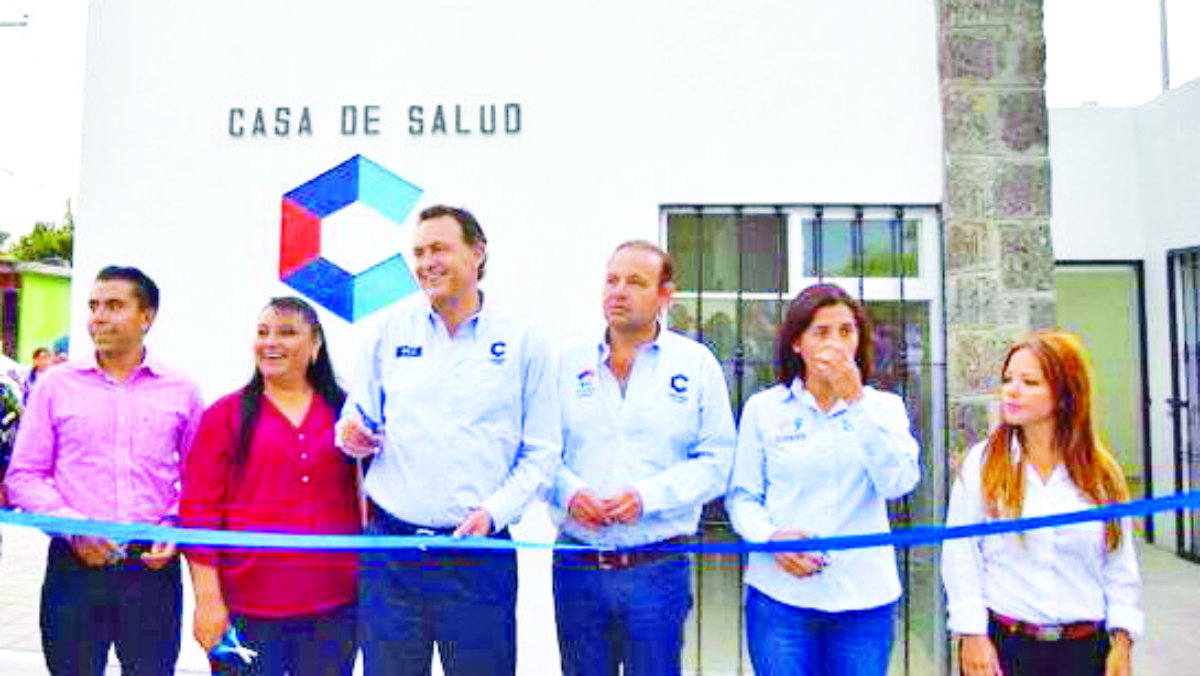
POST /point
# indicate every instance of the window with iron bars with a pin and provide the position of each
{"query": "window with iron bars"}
(738, 268)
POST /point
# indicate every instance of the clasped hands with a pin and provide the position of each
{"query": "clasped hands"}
(96, 552)
(800, 564)
(592, 511)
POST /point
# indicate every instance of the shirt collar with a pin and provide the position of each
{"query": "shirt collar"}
(1014, 454)
(800, 393)
(89, 362)
(655, 343)
(475, 321)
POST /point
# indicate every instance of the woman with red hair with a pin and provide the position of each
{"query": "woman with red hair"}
(1053, 600)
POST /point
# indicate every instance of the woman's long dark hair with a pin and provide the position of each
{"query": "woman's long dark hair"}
(800, 314)
(320, 376)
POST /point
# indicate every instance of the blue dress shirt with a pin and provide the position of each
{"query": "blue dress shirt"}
(469, 420)
(826, 474)
(670, 435)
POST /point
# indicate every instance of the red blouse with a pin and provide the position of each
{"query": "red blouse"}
(295, 481)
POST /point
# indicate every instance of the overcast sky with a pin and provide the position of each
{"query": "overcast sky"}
(1105, 52)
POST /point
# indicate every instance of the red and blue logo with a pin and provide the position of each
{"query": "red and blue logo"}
(357, 182)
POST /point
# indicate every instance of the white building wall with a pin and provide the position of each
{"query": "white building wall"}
(625, 106)
(1096, 211)
(1126, 185)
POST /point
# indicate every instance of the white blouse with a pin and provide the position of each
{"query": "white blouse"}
(1045, 576)
(827, 474)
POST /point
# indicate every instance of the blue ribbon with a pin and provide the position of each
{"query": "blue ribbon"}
(903, 537)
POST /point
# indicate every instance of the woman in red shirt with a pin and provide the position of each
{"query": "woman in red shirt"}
(264, 460)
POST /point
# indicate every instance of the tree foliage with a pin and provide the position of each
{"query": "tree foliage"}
(47, 241)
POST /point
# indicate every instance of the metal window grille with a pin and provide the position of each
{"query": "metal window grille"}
(738, 267)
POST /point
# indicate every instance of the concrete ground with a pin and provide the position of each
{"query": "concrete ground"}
(1171, 600)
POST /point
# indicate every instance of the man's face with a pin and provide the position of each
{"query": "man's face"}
(447, 267)
(117, 321)
(633, 297)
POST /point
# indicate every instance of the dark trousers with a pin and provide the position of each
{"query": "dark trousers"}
(322, 644)
(632, 617)
(462, 599)
(1025, 656)
(86, 610)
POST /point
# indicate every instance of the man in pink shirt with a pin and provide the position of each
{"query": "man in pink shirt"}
(104, 438)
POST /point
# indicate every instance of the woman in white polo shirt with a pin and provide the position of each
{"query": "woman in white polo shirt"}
(1054, 600)
(818, 455)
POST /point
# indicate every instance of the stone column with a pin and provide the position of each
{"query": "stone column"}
(999, 264)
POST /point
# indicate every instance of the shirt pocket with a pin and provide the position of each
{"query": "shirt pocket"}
(95, 428)
(493, 390)
(160, 424)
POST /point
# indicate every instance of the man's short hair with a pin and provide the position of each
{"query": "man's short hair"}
(666, 273)
(472, 233)
(144, 287)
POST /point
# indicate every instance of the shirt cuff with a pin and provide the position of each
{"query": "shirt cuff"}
(1126, 617)
(758, 532)
(968, 618)
(502, 517)
(653, 498)
(565, 488)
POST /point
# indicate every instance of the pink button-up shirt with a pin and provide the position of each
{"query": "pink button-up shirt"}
(91, 447)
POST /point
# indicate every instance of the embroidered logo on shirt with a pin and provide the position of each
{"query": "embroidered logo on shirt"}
(679, 388)
(586, 383)
(498, 349)
(790, 431)
(408, 351)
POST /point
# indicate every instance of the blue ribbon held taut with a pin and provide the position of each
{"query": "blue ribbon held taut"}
(902, 537)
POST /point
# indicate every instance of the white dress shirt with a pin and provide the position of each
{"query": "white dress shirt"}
(469, 420)
(670, 435)
(1045, 576)
(826, 474)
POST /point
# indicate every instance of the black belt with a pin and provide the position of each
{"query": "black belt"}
(396, 526)
(1071, 631)
(618, 559)
(128, 556)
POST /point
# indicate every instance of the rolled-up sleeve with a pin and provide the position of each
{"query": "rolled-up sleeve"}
(366, 390)
(206, 479)
(890, 451)
(29, 481)
(746, 499)
(962, 561)
(1122, 584)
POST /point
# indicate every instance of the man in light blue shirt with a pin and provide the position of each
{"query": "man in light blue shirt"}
(457, 403)
(648, 438)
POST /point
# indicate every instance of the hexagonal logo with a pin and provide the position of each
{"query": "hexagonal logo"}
(357, 191)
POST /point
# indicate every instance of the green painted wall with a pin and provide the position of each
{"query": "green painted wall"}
(1101, 305)
(44, 312)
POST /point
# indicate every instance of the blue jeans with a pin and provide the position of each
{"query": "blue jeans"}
(322, 644)
(786, 640)
(462, 599)
(130, 607)
(632, 617)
